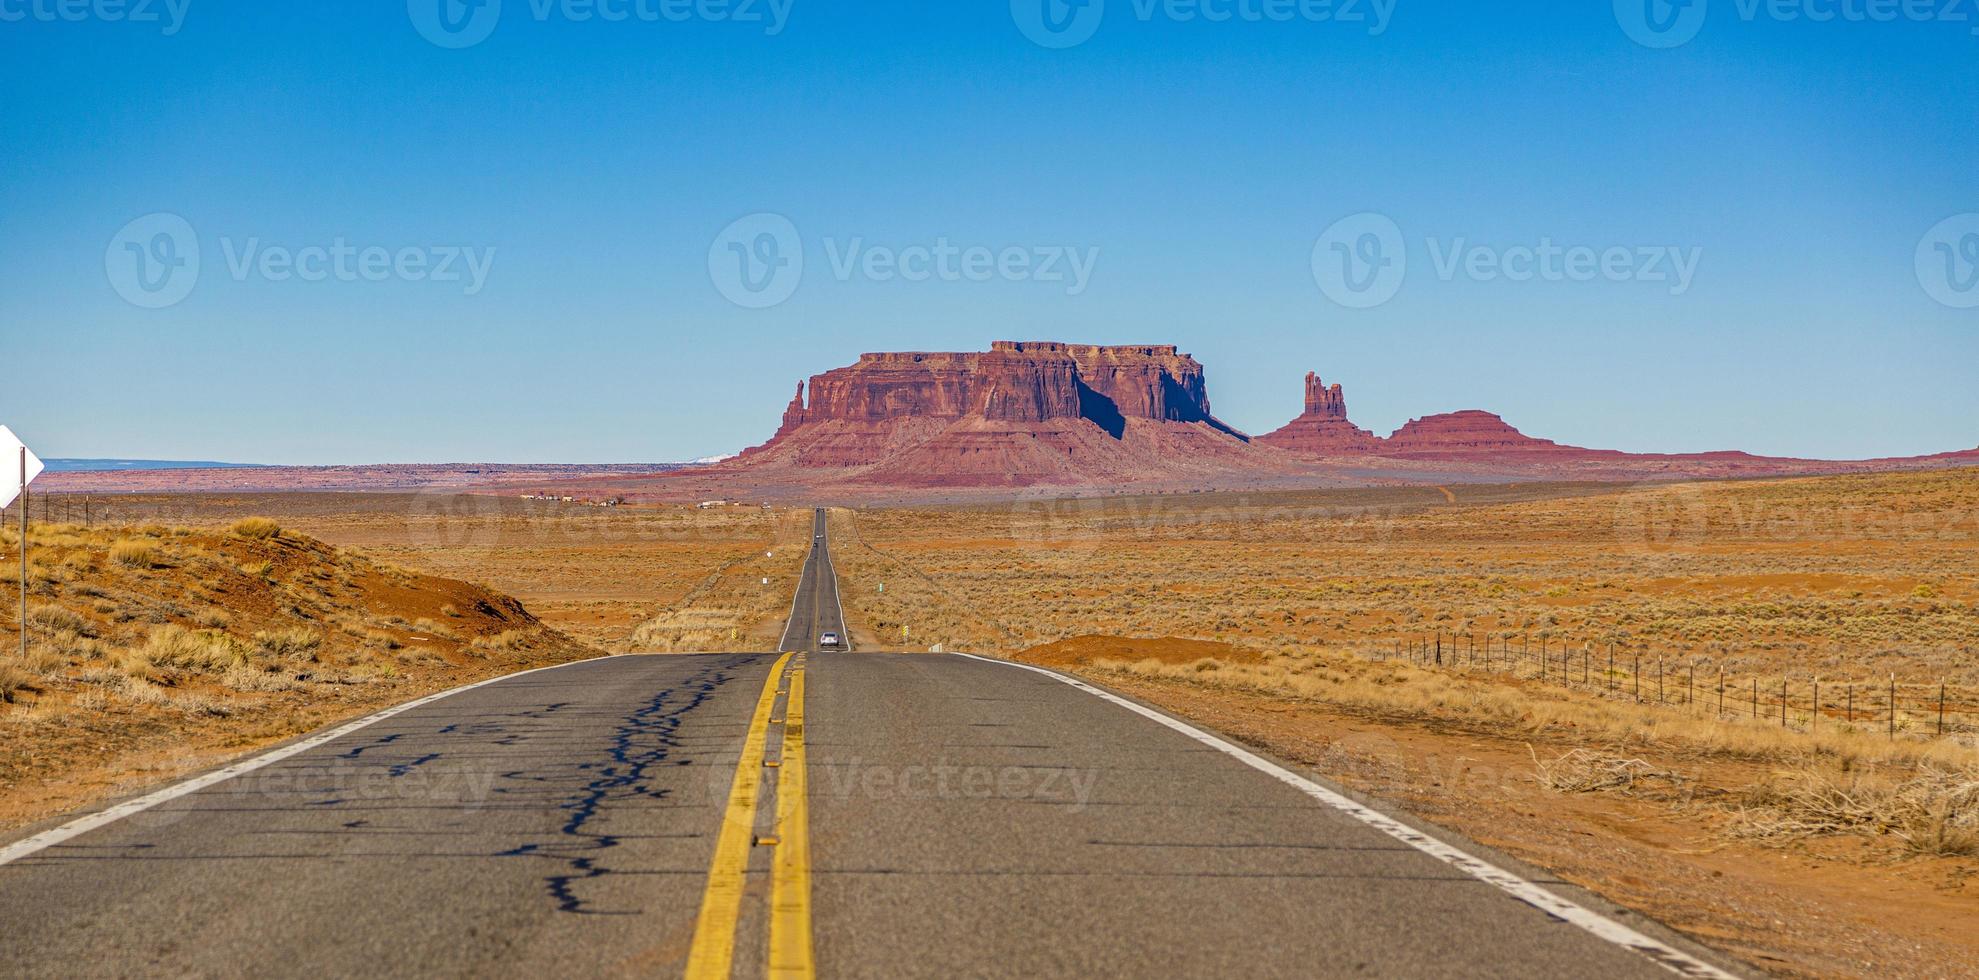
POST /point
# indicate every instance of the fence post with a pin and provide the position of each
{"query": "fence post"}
(1893, 705)
(1814, 718)
(1783, 702)
(1851, 703)
(1941, 706)
(1635, 676)
(1755, 699)
(1721, 692)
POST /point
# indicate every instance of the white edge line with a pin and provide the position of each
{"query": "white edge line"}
(75, 828)
(1663, 954)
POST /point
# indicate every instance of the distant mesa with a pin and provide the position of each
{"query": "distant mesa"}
(1470, 431)
(1020, 414)
(1047, 414)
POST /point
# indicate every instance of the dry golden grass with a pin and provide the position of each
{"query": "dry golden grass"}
(257, 528)
(1844, 578)
(133, 554)
(1398, 690)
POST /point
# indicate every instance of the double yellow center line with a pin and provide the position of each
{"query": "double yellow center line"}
(712, 956)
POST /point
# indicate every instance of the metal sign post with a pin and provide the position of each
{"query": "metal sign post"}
(30, 468)
(24, 503)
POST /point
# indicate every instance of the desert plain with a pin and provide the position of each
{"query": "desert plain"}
(1836, 837)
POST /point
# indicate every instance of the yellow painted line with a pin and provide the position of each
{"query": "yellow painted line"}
(713, 954)
(790, 875)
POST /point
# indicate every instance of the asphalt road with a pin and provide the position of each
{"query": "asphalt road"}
(816, 609)
(965, 818)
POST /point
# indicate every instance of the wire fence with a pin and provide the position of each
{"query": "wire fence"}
(1928, 710)
(87, 510)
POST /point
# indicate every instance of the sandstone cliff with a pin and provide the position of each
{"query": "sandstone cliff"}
(1323, 429)
(1019, 414)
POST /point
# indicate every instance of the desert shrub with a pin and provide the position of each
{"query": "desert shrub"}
(450, 610)
(45, 660)
(13, 677)
(257, 569)
(213, 619)
(205, 652)
(57, 650)
(257, 529)
(56, 619)
(502, 642)
(1934, 811)
(290, 644)
(141, 691)
(132, 553)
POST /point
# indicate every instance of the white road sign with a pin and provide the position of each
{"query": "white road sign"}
(10, 466)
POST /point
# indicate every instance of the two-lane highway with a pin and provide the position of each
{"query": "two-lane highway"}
(829, 812)
(816, 609)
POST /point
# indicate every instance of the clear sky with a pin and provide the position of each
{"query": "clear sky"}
(1804, 171)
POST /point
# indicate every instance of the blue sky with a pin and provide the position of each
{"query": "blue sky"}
(594, 165)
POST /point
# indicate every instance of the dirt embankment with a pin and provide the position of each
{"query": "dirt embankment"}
(158, 651)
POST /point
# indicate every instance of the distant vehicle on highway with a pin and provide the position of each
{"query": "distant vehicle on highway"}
(829, 640)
